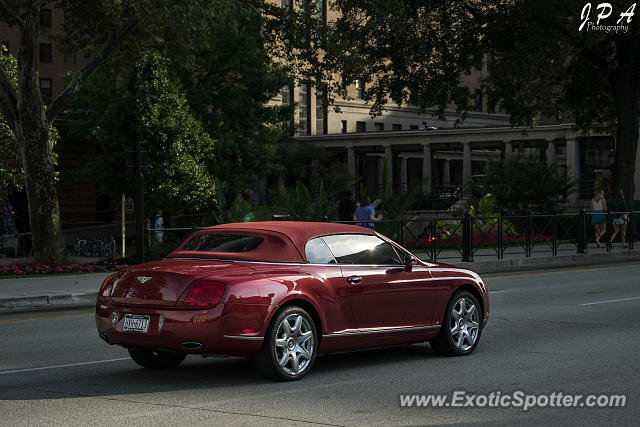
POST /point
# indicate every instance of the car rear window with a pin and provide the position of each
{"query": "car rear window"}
(223, 243)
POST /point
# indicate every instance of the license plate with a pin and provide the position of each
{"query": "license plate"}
(136, 323)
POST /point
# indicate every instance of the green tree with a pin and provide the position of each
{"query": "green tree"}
(97, 28)
(179, 148)
(544, 64)
(227, 79)
(405, 51)
(147, 106)
(523, 185)
(11, 176)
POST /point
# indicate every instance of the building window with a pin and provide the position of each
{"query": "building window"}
(70, 57)
(321, 113)
(343, 126)
(45, 18)
(478, 100)
(396, 126)
(304, 110)
(361, 126)
(287, 95)
(286, 4)
(379, 127)
(322, 11)
(359, 89)
(45, 52)
(490, 59)
(45, 89)
(414, 127)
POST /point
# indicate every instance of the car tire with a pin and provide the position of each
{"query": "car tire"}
(461, 326)
(290, 346)
(153, 359)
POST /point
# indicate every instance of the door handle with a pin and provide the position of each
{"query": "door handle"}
(354, 280)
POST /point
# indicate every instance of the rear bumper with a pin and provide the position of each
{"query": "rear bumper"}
(218, 329)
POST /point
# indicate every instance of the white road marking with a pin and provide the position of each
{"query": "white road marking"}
(15, 371)
(612, 300)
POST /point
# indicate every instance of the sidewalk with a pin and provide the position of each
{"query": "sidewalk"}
(80, 290)
(486, 260)
(33, 293)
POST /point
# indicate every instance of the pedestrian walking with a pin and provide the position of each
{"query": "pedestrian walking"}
(8, 218)
(158, 225)
(365, 214)
(598, 217)
(346, 207)
(620, 218)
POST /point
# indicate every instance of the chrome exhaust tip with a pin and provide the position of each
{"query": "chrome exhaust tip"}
(192, 345)
(103, 337)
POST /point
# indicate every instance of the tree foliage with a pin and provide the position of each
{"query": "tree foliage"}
(11, 174)
(96, 29)
(224, 78)
(179, 149)
(523, 185)
(405, 51)
(593, 74)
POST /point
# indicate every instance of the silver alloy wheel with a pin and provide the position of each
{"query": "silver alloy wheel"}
(464, 324)
(294, 344)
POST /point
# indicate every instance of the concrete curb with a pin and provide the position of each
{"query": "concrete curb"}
(520, 264)
(34, 303)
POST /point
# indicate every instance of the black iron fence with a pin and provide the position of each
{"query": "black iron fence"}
(471, 237)
(467, 238)
(448, 238)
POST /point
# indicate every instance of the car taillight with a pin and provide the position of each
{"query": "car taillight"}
(204, 294)
(107, 286)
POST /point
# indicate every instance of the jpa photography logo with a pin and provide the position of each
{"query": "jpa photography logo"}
(592, 22)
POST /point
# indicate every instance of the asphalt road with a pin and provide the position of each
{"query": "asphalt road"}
(571, 331)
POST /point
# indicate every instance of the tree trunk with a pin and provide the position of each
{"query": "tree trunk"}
(32, 132)
(44, 213)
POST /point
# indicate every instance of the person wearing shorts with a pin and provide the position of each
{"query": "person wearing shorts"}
(620, 218)
(598, 217)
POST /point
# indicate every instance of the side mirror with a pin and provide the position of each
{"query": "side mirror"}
(407, 260)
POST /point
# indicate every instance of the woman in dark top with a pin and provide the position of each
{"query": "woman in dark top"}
(619, 218)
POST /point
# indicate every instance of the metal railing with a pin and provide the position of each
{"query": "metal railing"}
(525, 236)
(453, 237)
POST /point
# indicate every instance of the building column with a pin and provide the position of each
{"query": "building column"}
(508, 149)
(351, 166)
(404, 181)
(380, 178)
(446, 173)
(388, 159)
(636, 180)
(573, 167)
(426, 169)
(636, 187)
(466, 167)
(551, 151)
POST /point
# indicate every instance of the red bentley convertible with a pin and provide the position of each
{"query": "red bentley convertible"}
(282, 292)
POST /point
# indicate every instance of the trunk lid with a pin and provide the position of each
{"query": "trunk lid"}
(161, 283)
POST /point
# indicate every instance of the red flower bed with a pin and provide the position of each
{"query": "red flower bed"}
(24, 269)
(479, 241)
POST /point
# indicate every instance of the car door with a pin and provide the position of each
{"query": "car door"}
(382, 293)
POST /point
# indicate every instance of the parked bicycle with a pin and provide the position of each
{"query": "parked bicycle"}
(98, 248)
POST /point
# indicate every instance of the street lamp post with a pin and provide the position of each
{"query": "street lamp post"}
(137, 159)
